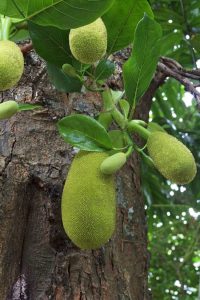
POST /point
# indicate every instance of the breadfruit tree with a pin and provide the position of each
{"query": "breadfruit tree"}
(75, 130)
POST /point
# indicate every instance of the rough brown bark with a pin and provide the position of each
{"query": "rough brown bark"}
(37, 260)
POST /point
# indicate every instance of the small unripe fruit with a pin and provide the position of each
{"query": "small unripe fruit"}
(11, 65)
(171, 157)
(88, 43)
(88, 202)
(69, 70)
(113, 163)
(8, 109)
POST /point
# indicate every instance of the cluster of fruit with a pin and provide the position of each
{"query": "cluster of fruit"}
(88, 200)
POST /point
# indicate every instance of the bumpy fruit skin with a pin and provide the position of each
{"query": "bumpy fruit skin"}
(152, 126)
(88, 202)
(113, 163)
(171, 157)
(11, 65)
(88, 43)
(8, 109)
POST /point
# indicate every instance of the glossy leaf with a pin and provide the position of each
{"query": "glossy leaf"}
(20, 35)
(84, 133)
(121, 21)
(51, 43)
(14, 9)
(138, 71)
(63, 14)
(104, 69)
(125, 107)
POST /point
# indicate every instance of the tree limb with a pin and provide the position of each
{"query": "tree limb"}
(173, 69)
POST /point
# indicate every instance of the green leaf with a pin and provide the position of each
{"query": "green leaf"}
(63, 14)
(169, 41)
(20, 35)
(84, 133)
(61, 81)
(14, 9)
(116, 95)
(125, 107)
(26, 106)
(138, 71)
(195, 41)
(104, 69)
(51, 43)
(121, 21)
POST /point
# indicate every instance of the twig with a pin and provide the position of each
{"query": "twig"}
(26, 48)
(171, 63)
(184, 81)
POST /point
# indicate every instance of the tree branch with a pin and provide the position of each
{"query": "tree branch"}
(173, 69)
(26, 48)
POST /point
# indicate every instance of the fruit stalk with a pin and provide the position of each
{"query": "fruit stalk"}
(110, 106)
(6, 23)
(133, 126)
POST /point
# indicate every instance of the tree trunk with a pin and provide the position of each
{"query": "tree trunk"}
(37, 259)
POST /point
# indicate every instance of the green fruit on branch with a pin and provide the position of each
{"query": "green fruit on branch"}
(152, 126)
(88, 202)
(11, 65)
(69, 70)
(88, 43)
(8, 109)
(171, 157)
(113, 163)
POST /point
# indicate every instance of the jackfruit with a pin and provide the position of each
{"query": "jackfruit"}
(8, 109)
(88, 202)
(88, 43)
(113, 163)
(171, 157)
(11, 65)
(152, 126)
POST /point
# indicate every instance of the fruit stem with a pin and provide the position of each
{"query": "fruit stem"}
(6, 26)
(133, 126)
(110, 107)
(129, 151)
(140, 122)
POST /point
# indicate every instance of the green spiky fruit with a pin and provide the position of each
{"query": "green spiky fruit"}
(113, 163)
(11, 65)
(8, 109)
(88, 202)
(171, 157)
(88, 43)
(152, 126)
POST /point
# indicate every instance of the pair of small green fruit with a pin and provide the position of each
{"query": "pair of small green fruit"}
(88, 200)
(11, 70)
